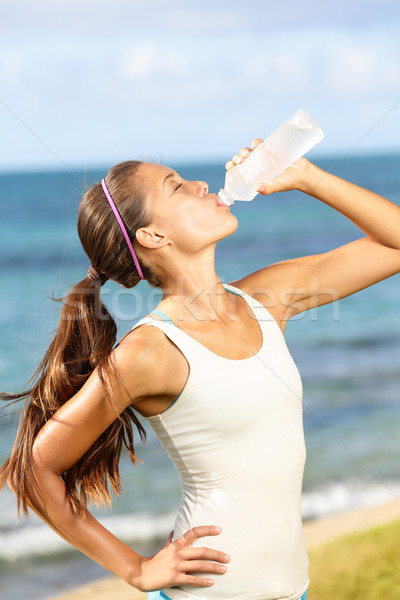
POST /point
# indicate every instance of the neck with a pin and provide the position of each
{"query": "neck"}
(197, 295)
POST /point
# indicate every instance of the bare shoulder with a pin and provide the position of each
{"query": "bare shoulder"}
(145, 358)
(273, 286)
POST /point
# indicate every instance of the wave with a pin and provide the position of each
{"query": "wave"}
(334, 497)
(34, 538)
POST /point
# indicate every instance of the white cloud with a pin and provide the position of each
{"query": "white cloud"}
(276, 72)
(353, 71)
(197, 91)
(11, 68)
(110, 18)
(147, 60)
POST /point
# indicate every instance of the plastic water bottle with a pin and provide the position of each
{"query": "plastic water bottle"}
(275, 154)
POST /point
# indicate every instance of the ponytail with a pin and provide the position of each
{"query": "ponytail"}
(84, 340)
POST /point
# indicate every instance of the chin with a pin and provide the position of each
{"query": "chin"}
(231, 226)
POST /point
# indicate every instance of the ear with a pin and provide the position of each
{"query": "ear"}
(148, 238)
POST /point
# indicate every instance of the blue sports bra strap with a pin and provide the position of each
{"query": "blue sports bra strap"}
(227, 286)
(162, 315)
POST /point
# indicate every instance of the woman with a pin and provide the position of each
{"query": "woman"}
(210, 371)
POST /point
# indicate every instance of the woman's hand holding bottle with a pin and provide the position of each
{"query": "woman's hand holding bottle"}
(176, 561)
(294, 177)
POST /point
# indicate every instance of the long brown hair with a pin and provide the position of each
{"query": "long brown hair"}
(84, 340)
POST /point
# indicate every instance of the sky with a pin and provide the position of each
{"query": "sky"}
(88, 83)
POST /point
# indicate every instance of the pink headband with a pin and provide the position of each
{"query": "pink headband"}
(120, 223)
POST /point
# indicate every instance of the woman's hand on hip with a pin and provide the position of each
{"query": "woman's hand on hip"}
(294, 177)
(175, 562)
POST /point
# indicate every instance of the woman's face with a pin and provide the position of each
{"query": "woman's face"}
(183, 210)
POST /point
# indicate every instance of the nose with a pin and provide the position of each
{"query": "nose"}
(203, 186)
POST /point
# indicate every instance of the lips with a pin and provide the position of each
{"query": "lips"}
(218, 202)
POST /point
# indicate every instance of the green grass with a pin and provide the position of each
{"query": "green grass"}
(364, 566)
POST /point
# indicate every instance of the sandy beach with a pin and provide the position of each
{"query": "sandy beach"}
(317, 533)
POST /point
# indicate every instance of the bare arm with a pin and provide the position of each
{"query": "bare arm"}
(296, 285)
(70, 433)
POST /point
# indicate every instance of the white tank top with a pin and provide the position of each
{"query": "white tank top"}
(235, 436)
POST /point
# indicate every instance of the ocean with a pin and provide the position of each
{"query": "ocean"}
(348, 354)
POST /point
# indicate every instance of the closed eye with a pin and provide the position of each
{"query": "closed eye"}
(177, 188)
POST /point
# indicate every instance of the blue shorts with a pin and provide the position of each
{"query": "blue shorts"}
(157, 596)
(161, 596)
